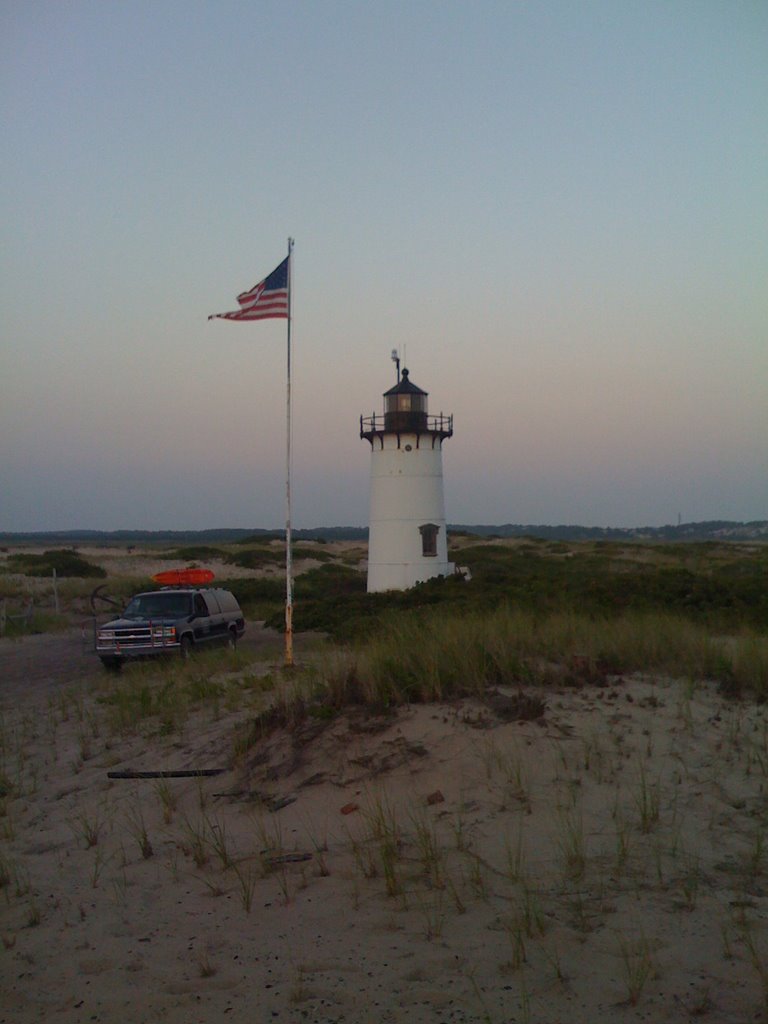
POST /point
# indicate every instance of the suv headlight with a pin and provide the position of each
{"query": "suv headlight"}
(106, 634)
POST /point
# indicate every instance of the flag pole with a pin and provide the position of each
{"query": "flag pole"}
(288, 554)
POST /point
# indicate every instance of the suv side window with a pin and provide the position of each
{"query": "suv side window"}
(200, 606)
(213, 604)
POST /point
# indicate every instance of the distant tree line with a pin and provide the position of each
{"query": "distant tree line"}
(715, 530)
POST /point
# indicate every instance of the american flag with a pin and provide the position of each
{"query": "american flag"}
(267, 299)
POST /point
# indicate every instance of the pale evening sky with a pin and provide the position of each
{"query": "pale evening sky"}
(559, 209)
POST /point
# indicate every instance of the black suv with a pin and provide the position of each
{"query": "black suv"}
(169, 620)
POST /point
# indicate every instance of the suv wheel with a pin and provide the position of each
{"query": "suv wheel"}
(232, 639)
(185, 648)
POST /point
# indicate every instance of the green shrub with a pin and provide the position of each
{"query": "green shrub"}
(695, 580)
(259, 598)
(302, 551)
(256, 558)
(194, 553)
(66, 563)
(326, 598)
(260, 538)
(38, 622)
(712, 588)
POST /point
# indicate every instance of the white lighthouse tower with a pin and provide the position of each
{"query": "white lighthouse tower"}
(407, 540)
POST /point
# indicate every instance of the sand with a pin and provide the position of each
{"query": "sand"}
(605, 861)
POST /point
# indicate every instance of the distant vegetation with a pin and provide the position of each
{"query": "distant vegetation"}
(710, 530)
(192, 553)
(167, 538)
(541, 612)
(259, 556)
(533, 610)
(721, 586)
(263, 537)
(65, 562)
(715, 529)
(718, 584)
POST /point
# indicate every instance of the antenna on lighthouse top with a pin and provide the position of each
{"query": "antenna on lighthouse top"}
(396, 361)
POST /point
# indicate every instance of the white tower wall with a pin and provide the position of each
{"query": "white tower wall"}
(406, 493)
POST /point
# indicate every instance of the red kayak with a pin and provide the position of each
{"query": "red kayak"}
(183, 577)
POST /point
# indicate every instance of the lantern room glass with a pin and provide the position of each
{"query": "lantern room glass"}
(405, 403)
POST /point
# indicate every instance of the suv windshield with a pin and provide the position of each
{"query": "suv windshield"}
(159, 606)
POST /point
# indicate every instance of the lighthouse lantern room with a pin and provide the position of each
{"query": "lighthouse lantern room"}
(407, 541)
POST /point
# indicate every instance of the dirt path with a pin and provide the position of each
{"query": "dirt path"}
(40, 664)
(45, 662)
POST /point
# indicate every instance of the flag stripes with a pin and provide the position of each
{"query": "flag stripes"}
(266, 300)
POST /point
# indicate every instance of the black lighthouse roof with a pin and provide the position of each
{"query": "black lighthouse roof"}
(405, 387)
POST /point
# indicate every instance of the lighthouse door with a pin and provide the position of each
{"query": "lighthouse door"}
(429, 532)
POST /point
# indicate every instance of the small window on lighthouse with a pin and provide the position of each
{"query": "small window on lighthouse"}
(429, 540)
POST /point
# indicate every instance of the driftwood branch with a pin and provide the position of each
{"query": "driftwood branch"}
(192, 773)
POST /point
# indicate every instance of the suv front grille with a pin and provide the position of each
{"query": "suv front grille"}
(140, 636)
(145, 637)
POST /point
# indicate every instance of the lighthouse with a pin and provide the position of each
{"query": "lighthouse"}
(407, 541)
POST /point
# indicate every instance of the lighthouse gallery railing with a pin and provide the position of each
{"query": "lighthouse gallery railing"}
(379, 424)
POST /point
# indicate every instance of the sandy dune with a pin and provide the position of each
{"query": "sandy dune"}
(606, 861)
